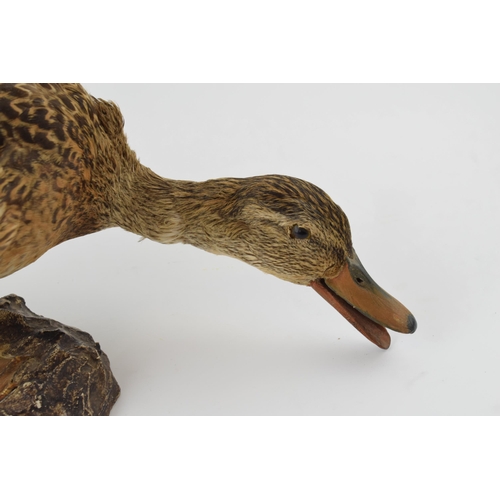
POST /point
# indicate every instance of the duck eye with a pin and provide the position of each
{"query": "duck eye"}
(300, 233)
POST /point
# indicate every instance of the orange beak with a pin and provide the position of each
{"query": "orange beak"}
(364, 304)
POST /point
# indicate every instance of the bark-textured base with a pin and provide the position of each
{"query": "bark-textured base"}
(47, 368)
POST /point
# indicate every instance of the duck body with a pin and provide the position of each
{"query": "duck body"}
(56, 160)
(66, 170)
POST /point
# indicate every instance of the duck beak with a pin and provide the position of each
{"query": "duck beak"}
(364, 304)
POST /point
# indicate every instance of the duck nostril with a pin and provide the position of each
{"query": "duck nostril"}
(359, 280)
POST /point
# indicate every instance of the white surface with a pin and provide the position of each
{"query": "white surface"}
(416, 169)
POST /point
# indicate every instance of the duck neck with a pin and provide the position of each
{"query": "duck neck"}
(175, 211)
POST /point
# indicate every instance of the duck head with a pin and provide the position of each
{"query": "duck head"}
(291, 229)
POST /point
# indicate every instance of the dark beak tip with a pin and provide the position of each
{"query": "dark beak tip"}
(411, 324)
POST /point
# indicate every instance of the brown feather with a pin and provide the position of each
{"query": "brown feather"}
(66, 170)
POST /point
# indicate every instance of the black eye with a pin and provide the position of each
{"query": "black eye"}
(300, 233)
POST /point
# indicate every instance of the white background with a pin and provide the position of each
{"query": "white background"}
(416, 169)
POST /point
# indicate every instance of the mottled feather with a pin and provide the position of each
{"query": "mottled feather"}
(66, 170)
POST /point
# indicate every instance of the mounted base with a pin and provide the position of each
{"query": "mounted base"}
(47, 368)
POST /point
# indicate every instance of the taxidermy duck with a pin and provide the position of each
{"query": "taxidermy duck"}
(66, 170)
